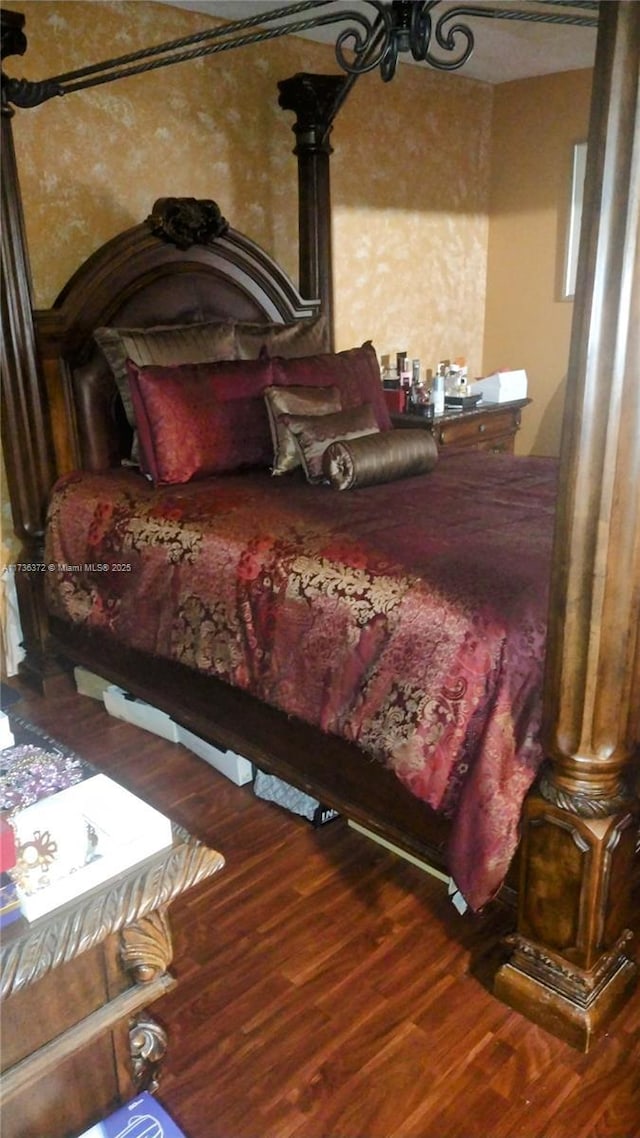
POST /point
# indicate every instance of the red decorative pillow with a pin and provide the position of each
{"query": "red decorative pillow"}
(164, 346)
(356, 374)
(199, 419)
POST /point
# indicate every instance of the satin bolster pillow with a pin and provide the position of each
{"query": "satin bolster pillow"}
(349, 464)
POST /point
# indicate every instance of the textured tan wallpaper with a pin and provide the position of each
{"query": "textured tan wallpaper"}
(528, 322)
(410, 168)
(93, 162)
(410, 179)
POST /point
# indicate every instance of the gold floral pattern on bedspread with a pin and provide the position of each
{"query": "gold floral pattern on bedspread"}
(408, 618)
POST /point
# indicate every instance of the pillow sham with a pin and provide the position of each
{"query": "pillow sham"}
(314, 433)
(200, 419)
(301, 338)
(283, 401)
(349, 464)
(355, 372)
(163, 345)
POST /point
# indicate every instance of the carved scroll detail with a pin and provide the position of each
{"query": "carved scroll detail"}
(569, 980)
(148, 1047)
(187, 221)
(580, 804)
(48, 944)
(146, 950)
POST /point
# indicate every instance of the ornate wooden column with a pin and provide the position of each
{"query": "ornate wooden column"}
(26, 432)
(570, 970)
(314, 99)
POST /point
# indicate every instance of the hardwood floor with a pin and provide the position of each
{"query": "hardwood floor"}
(328, 989)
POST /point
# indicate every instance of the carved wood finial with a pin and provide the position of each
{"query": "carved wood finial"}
(187, 221)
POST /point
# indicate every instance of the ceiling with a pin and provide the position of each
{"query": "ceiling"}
(505, 49)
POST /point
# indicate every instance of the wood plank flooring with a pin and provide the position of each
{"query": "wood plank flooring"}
(328, 989)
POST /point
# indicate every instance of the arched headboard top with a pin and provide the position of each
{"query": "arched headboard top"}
(140, 279)
(229, 277)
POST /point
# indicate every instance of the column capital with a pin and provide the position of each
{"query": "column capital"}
(13, 40)
(313, 98)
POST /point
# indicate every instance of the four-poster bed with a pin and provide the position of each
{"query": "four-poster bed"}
(571, 968)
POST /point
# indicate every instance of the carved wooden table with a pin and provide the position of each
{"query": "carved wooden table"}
(76, 1039)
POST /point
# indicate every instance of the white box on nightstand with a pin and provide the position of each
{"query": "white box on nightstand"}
(501, 387)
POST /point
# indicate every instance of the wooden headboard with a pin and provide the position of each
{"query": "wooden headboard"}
(141, 279)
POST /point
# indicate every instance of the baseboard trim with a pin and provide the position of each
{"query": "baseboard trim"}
(423, 865)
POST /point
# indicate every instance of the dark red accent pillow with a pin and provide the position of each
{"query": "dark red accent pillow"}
(356, 374)
(199, 419)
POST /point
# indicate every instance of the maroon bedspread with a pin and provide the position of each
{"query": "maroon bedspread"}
(409, 617)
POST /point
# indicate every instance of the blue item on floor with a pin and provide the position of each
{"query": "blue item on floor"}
(143, 1117)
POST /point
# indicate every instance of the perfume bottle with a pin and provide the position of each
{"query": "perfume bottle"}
(438, 392)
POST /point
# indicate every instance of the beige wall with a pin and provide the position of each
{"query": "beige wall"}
(410, 181)
(449, 196)
(410, 170)
(93, 162)
(527, 322)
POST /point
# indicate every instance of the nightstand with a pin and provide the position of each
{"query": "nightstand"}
(489, 426)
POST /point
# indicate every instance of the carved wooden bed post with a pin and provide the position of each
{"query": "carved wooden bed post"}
(26, 430)
(314, 99)
(570, 970)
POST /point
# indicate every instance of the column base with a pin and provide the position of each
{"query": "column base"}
(42, 671)
(572, 1004)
